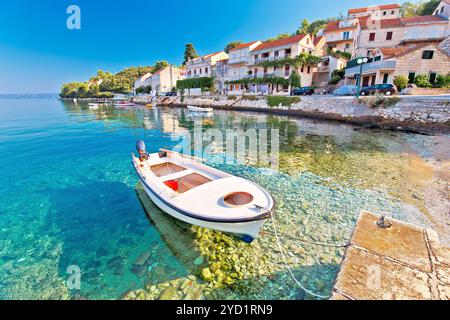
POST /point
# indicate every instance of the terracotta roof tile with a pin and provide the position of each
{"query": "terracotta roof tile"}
(366, 9)
(244, 45)
(212, 55)
(334, 25)
(279, 43)
(367, 23)
(394, 51)
(423, 19)
(317, 40)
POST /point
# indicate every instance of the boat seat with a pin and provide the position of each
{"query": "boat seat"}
(177, 175)
(166, 169)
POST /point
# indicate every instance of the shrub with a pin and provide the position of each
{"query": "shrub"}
(250, 97)
(443, 81)
(335, 79)
(422, 81)
(232, 97)
(379, 101)
(275, 101)
(401, 82)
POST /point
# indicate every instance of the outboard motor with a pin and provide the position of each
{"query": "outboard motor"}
(142, 151)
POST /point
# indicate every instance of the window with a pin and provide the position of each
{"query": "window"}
(277, 53)
(411, 77)
(265, 70)
(256, 72)
(385, 78)
(428, 54)
(377, 58)
(372, 36)
(206, 70)
(442, 9)
(288, 51)
(201, 70)
(389, 35)
(347, 46)
(346, 35)
(195, 71)
(392, 12)
(309, 69)
(384, 13)
(433, 76)
(286, 71)
(307, 40)
(302, 69)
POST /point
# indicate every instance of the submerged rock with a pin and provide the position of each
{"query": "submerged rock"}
(170, 293)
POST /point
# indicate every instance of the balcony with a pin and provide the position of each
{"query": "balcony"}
(271, 58)
(386, 65)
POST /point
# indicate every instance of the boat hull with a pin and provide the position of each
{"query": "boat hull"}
(199, 109)
(246, 231)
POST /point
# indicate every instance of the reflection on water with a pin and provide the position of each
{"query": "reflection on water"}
(69, 198)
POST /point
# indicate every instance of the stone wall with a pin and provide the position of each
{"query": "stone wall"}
(415, 114)
(427, 91)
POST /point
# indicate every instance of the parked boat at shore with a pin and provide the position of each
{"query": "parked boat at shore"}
(199, 109)
(200, 195)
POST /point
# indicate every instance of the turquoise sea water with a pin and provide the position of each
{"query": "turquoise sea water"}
(68, 192)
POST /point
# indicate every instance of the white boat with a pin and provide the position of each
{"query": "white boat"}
(200, 109)
(124, 104)
(203, 196)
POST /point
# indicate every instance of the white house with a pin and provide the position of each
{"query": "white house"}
(165, 79)
(443, 9)
(238, 61)
(279, 50)
(143, 81)
(203, 66)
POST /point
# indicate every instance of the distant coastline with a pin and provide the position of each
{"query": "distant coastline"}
(28, 95)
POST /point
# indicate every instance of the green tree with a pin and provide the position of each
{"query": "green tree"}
(189, 53)
(429, 7)
(317, 25)
(280, 36)
(159, 65)
(295, 79)
(303, 27)
(232, 45)
(408, 9)
(401, 82)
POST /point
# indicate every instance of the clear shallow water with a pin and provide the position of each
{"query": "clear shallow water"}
(68, 196)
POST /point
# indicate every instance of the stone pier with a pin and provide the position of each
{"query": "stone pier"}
(403, 262)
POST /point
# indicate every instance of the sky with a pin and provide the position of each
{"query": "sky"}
(38, 53)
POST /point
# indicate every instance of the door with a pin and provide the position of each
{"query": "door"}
(365, 82)
(385, 78)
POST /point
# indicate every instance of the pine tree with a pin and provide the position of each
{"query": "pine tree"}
(189, 53)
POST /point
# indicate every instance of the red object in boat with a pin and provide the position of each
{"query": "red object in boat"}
(172, 184)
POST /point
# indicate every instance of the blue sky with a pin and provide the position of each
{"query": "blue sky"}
(38, 53)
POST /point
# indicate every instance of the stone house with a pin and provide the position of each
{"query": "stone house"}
(342, 35)
(385, 63)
